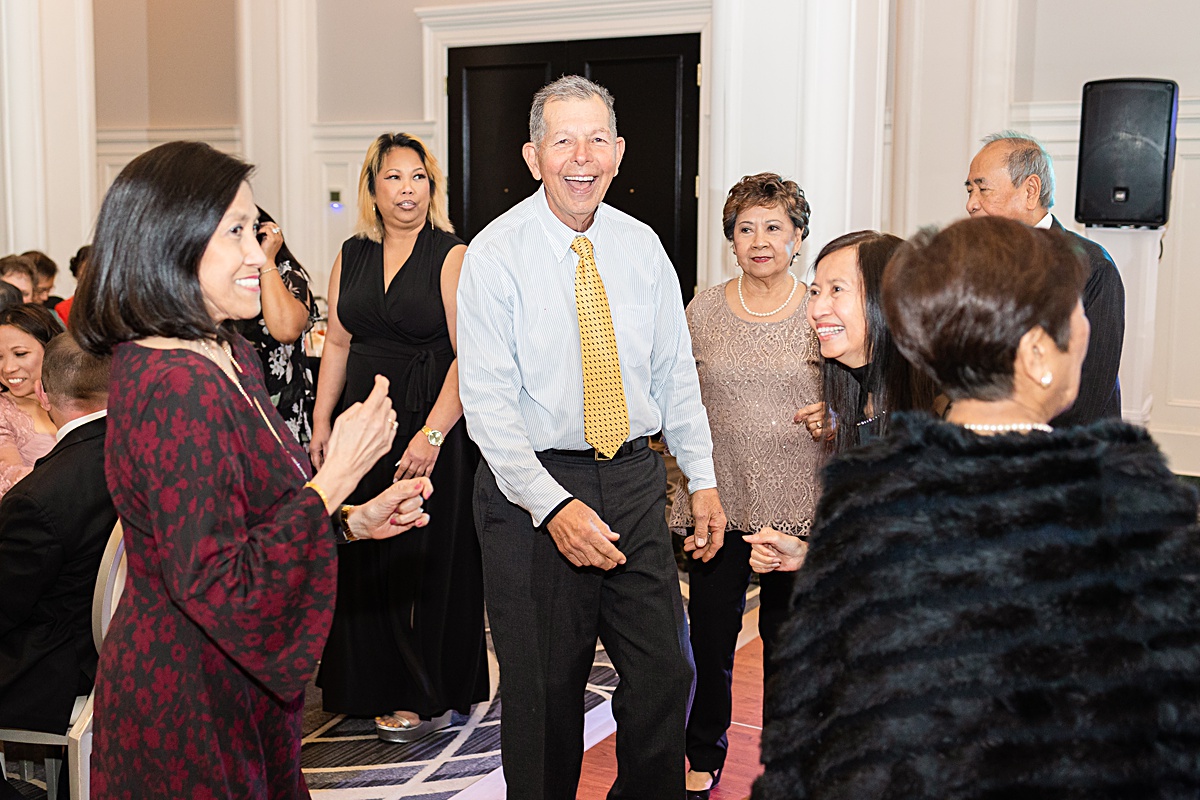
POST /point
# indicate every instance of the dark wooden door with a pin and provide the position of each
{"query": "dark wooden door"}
(654, 80)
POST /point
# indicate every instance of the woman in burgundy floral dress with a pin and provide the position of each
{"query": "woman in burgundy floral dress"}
(231, 542)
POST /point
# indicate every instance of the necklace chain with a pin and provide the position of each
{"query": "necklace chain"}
(232, 375)
(1008, 427)
(742, 298)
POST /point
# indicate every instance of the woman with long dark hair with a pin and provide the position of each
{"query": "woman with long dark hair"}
(277, 332)
(231, 539)
(864, 378)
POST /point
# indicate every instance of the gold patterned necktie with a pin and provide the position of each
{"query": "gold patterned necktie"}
(605, 416)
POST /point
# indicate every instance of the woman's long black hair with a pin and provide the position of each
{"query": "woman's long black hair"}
(891, 382)
(284, 253)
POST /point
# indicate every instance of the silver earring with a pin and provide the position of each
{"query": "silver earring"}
(1046, 380)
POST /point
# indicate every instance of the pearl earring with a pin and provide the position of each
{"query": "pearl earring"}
(1046, 380)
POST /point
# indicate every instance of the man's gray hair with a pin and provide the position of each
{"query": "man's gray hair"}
(568, 87)
(1027, 157)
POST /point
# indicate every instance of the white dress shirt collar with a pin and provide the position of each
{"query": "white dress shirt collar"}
(558, 232)
(1046, 222)
(78, 421)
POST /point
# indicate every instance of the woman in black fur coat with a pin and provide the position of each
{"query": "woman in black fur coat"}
(991, 608)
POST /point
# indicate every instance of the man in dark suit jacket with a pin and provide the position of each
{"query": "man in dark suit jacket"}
(54, 525)
(1012, 176)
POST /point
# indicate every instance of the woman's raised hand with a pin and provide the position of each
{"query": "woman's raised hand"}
(360, 437)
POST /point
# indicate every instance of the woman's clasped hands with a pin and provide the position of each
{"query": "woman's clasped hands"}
(361, 435)
(772, 550)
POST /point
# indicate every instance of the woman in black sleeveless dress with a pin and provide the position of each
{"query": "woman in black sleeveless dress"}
(407, 644)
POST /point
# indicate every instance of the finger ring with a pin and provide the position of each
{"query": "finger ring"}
(395, 425)
(275, 230)
(818, 423)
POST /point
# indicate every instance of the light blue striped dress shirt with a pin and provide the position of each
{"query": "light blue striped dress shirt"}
(519, 365)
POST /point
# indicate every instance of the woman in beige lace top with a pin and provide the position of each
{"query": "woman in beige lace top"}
(758, 362)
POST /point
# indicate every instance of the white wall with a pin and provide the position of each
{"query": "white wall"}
(370, 60)
(164, 70)
(122, 64)
(1063, 43)
(192, 63)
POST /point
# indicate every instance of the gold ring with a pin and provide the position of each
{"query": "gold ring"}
(395, 425)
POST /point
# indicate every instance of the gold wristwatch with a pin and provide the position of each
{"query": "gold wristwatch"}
(435, 437)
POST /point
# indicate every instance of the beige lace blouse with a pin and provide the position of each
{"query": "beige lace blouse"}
(753, 378)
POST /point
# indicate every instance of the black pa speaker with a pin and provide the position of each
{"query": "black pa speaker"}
(1126, 152)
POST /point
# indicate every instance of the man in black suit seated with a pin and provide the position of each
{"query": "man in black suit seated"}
(1012, 176)
(54, 525)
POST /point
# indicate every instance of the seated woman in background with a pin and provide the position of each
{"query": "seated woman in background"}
(992, 608)
(276, 333)
(26, 432)
(864, 378)
(757, 361)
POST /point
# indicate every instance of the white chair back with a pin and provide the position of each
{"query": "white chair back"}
(110, 584)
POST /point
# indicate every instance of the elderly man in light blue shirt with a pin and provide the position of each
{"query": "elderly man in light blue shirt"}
(574, 541)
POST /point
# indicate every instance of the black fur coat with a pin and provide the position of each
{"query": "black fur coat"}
(994, 617)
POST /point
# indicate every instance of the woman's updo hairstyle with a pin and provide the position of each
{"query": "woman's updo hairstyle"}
(958, 301)
(766, 189)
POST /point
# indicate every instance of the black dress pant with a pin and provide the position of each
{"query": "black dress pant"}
(546, 615)
(716, 603)
(8, 791)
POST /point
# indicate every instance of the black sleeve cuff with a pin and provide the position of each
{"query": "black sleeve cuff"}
(554, 511)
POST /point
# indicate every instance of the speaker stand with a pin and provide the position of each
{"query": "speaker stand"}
(1136, 253)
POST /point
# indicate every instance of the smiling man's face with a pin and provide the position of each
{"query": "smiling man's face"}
(576, 160)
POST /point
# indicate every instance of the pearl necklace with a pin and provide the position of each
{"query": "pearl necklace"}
(1010, 427)
(742, 298)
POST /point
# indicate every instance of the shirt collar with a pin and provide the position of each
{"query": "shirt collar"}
(558, 232)
(1046, 222)
(79, 421)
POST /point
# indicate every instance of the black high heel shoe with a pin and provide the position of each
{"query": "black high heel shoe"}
(702, 794)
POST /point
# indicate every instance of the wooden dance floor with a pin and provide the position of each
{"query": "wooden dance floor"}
(741, 766)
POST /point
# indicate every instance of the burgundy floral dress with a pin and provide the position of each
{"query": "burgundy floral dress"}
(232, 578)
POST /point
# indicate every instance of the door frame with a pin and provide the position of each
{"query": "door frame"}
(521, 21)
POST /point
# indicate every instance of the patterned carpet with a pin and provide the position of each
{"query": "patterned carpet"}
(344, 760)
